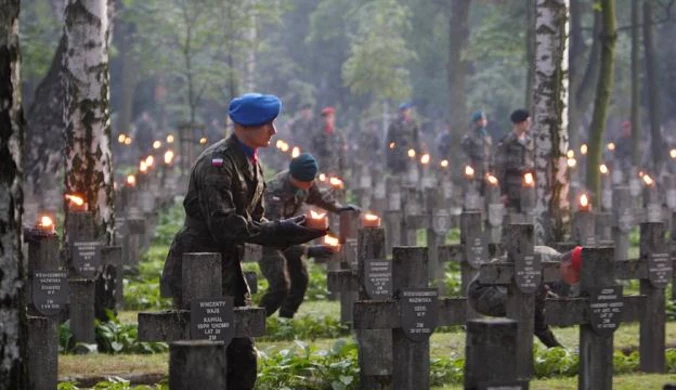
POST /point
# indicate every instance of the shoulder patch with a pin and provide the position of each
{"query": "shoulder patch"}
(216, 162)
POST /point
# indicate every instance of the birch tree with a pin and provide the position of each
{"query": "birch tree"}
(86, 114)
(458, 35)
(550, 123)
(604, 87)
(12, 306)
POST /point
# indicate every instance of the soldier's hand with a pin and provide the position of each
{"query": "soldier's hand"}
(350, 207)
(294, 233)
(320, 251)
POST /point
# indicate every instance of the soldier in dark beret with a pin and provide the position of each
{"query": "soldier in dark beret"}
(224, 210)
(514, 157)
(286, 270)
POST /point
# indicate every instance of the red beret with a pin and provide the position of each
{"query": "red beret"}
(328, 111)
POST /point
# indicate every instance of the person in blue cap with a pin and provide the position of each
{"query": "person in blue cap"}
(477, 145)
(224, 210)
(285, 270)
(402, 135)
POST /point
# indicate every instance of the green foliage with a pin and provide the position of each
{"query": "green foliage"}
(40, 31)
(114, 337)
(453, 280)
(379, 53)
(169, 224)
(114, 383)
(302, 367)
(306, 327)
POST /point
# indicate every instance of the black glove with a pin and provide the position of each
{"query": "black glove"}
(293, 232)
(349, 207)
(319, 251)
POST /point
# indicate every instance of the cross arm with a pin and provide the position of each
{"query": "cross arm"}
(572, 311)
(502, 273)
(340, 281)
(385, 314)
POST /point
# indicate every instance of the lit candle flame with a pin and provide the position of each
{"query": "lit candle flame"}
(640, 173)
(444, 163)
(584, 201)
(121, 138)
(411, 153)
(604, 169)
(469, 172)
(279, 144)
(316, 215)
(45, 222)
(572, 162)
(425, 159)
(528, 179)
(371, 217)
(492, 179)
(583, 149)
(322, 177)
(127, 141)
(570, 154)
(150, 161)
(170, 139)
(648, 180)
(143, 167)
(336, 182)
(331, 241)
(157, 144)
(672, 153)
(168, 156)
(295, 152)
(393, 145)
(285, 147)
(131, 180)
(203, 141)
(75, 199)
(611, 146)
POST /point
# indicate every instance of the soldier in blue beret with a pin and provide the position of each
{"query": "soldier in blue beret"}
(224, 210)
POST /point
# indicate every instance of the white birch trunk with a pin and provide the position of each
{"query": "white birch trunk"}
(251, 47)
(11, 202)
(550, 120)
(88, 156)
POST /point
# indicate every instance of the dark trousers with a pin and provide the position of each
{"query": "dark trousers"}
(288, 279)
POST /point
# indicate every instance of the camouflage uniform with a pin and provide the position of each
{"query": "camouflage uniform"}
(224, 209)
(405, 135)
(329, 150)
(477, 145)
(491, 300)
(301, 129)
(368, 146)
(514, 157)
(286, 271)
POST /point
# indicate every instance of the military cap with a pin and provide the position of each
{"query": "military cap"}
(478, 115)
(304, 167)
(405, 106)
(328, 111)
(254, 109)
(519, 116)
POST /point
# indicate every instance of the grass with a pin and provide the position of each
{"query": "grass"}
(622, 382)
(103, 365)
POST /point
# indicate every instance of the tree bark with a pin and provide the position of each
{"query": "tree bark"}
(530, 52)
(44, 127)
(457, 65)
(89, 170)
(603, 90)
(550, 120)
(12, 306)
(652, 88)
(635, 84)
(575, 59)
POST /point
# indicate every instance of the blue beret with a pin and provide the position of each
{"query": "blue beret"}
(477, 115)
(304, 167)
(405, 106)
(254, 109)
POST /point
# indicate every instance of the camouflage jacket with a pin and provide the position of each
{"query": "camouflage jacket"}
(513, 158)
(401, 136)
(283, 200)
(223, 210)
(478, 149)
(329, 150)
(301, 131)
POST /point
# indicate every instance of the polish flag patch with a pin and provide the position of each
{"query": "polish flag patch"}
(216, 162)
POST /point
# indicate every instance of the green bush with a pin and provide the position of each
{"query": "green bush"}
(304, 328)
(114, 337)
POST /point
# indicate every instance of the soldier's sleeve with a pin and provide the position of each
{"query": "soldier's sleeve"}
(500, 167)
(416, 139)
(325, 200)
(273, 203)
(218, 207)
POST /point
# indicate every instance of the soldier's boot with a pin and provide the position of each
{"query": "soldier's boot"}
(299, 278)
(541, 329)
(547, 337)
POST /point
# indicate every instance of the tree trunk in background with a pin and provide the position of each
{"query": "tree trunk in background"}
(550, 120)
(44, 129)
(89, 171)
(530, 53)
(12, 306)
(635, 84)
(652, 88)
(456, 67)
(129, 77)
(575, 60)
(603, 90)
